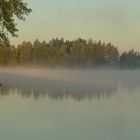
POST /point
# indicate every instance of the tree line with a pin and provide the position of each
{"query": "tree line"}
(59, 52)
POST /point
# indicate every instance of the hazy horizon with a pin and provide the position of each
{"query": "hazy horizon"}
(109, 21)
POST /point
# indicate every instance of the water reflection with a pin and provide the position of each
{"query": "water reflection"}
(60, 92)
(105, 85)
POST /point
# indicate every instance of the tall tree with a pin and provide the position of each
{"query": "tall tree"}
(9, 9)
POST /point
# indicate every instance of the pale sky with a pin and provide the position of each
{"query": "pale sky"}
(116, 21)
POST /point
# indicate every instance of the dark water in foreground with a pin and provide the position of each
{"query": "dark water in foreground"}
(103, 105)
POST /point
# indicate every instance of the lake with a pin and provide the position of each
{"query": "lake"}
(69, 104)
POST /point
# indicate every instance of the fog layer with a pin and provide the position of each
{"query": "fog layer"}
(59, 83)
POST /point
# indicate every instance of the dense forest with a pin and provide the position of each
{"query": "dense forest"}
(72, 54)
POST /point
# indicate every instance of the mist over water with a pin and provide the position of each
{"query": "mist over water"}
(63, 83)
(62, 104)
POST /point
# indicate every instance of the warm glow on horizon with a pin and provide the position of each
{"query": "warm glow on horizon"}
(109, 21)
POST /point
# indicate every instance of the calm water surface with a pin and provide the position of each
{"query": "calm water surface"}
(63, 110)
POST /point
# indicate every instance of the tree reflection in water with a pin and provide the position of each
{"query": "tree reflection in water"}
(58, 89)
